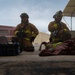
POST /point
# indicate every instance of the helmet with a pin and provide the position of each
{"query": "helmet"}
(58, 13)
(24, 15)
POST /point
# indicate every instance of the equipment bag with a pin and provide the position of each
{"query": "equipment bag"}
(9, 49)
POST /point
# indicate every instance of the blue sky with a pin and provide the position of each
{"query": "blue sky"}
(40, 11)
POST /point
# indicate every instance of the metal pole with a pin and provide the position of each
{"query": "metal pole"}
(71, 18)
(71, 23)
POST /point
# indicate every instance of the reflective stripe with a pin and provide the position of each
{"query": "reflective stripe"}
(55, 25)
(27, 39)
(16, 32)
(55, 44)
(28, 31)
(65, 30)
(33, 34)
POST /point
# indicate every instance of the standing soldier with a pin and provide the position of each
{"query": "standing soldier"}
(59, 30)
(26, 33)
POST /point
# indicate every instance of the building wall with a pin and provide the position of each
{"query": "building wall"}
(41, 37)
(8, 31)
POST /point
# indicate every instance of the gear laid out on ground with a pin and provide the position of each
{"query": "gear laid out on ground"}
(7, 49)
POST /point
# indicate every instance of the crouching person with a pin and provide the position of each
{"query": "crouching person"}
(59, 33)
(25, 32)
(59, 30)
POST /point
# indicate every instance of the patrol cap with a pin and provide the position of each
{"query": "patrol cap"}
(24, 15)
(58, 13)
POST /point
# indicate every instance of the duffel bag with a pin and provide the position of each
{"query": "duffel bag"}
(9, 49)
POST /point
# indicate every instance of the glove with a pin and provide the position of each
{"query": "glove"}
(32, 39)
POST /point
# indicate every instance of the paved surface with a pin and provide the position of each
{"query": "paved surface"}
(30, 63)
(34, 56)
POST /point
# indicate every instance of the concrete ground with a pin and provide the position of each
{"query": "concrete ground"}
(34, 56)
(30, 63)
